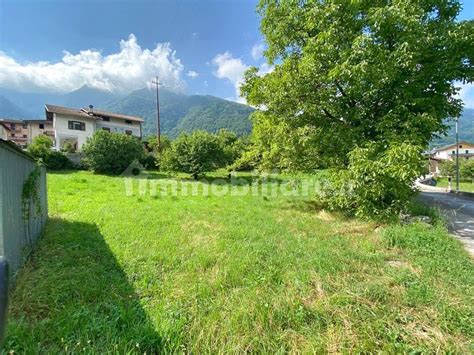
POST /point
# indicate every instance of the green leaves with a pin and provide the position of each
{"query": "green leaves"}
(111, 152)
(377, 182)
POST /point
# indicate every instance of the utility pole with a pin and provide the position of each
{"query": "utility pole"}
(457, 155)
(158, 130)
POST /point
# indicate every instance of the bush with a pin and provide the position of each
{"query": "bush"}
(194, 154)
(378, 183)
(40, 149)
(68, 148)
(466, 168)
(112, 153)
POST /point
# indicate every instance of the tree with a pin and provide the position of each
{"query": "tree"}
(111, 152)
(40, 147)
(363, 70)
(356, 74)
(447, 168)
(152, 141)
(194, 154)
(466, 169)
(41, 150)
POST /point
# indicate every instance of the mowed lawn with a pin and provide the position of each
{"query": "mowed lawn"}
(464, 185)
(135, 274)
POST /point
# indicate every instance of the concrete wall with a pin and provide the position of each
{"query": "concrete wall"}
(62, 130)
(18, 236)
(119, 126)
(35, 130)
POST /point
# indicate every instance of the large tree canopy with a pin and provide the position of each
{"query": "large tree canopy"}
(349, 72)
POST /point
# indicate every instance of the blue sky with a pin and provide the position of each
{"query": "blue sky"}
(196, 46)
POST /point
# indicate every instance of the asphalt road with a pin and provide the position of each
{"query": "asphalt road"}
(459, 212)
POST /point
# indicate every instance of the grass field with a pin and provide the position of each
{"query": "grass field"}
(134, 274)
(464, 185)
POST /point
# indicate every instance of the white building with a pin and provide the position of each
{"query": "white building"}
(74, 126)
(448, 152)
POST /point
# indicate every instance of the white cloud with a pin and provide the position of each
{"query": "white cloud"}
(129, 69)
(257, 51)
(467, 95)
(192, 74)
(230, 68)
(233, 69)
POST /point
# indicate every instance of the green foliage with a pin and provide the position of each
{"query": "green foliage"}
(348, 77)
(41, 150)
(194, 154)
(447, 168)
(349, 74)
(232, 146)
(40, 147)
(466, 168)
(30, 193)
(152, 143)
(68, 148)
(111, 152)
(377, 183)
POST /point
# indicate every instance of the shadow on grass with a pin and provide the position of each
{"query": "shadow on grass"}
(72, 295)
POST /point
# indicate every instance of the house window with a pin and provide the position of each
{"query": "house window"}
(128, 132)
(467, 151)
(24, 125)
(24, 136)
(41, 125)
(128, 122)
(76, 125)
(460, 146)
(107, 129)
(106, 119)
(13, 134)
(454, 152)
(12, 126)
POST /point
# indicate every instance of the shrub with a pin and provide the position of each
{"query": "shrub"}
(68, 148)
(40, 149)
(194, 154)
(112, 153)
(447, 168)
(377, 183)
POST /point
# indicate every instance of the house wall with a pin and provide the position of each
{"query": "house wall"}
(34, 130)
(62, 130)
(447, 154)
(3, 132)
(119, 126)
(18, 132)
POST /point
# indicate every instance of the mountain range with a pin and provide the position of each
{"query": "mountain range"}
(178, 112)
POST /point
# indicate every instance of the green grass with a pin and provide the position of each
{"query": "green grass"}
(464, 185)
(231, 274)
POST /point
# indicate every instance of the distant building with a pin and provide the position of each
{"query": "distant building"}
(448, 152)
(74, 126)
(14, 130)
(38, 127)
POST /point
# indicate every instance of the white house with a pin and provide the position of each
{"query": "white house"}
(448, 152)
(74, 126)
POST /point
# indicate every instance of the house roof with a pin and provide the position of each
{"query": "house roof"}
(453, 145)
(86, 112)
(5, 126)
(10, 120)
